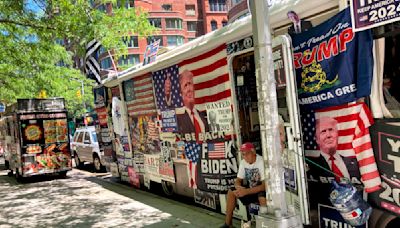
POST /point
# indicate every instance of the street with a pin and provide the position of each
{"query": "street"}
(85, 199)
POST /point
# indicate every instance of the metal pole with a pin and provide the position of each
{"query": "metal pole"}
(268, 109)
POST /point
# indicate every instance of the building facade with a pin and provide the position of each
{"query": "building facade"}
(177, 22)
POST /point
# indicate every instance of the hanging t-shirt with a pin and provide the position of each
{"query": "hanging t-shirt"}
(333, 64)
(252, 174)
(354, 141)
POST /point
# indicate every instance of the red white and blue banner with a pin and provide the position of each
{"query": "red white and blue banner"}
(333, 64)
(366, 14)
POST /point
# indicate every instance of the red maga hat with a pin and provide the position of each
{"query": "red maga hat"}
(248, 146)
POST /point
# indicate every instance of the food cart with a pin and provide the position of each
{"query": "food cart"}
(38, 141)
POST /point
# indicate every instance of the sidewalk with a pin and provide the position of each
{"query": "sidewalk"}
(173, 213)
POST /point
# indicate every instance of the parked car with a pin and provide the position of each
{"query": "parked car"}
(85, 148)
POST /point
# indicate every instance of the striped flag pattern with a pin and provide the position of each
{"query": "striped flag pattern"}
(192, 152)
(92, 66)
(216, 150)
(143, 103)
(354, 138)
(211, 78)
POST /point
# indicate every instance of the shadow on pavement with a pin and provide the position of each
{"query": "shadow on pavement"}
(82, 201)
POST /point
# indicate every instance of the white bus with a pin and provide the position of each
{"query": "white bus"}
(146, 109)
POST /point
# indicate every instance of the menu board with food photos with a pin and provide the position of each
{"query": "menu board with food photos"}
(55, 130)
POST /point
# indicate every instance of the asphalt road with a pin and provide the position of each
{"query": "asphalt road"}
(85, 199)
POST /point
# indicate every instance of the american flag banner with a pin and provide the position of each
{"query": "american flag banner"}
(192, 151)
(143, 103)
(174, 99)
(211, 78)
(216, 150)
(353, 138)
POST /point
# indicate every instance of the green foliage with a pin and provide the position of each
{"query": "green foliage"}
(30, 56)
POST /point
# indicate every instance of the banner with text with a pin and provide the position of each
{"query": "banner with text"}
(369, 14)
(333, 64)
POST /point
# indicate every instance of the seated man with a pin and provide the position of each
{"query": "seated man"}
(249, 184)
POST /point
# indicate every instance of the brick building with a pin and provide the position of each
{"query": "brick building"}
(178, 22)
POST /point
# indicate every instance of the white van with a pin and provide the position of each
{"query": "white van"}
(85, 148)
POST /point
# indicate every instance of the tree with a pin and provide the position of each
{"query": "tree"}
(43, 42)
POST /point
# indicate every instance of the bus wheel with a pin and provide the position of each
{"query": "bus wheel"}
(168, 188)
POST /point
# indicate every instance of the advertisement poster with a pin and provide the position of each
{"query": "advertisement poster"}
(102, 116)
(151, 167)
(386, 144)
(133, 177)
(129, 93)
(217, 167)
(205, 198)
(369, 14)
(144, 134)
(166, 164)
(138, 162)
(100, 97)
(219, 116)
(329, 217)
(279, 67)
(322, 58)
(168, 121)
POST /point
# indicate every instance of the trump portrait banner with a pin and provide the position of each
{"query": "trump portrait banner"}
(333, 64)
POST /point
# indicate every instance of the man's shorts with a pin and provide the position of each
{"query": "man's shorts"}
(253, 198)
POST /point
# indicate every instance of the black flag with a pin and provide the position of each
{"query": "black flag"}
(92, 66)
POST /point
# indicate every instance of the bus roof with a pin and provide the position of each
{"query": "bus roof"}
(237, 30)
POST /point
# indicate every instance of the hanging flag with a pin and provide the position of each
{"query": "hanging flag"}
(333, 64)
(353, 122)
(92, 66)
(192, 151)
(210, 76)
(167, 99)
(151, 52)
(143, 101)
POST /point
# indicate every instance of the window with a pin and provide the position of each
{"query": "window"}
(190, 39)
(151, 39)
(129, 60)
(217, 5)
(190, 10)
(173, 23)
(214, 25)
(80, 137)
(87, 138)
(174, 40)
(192, 26)
(235, 2)
(131, 41)
(105, 63)
(156, 22)
(167, 7)
(224, 23)
(128, 4)
(94, 136)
